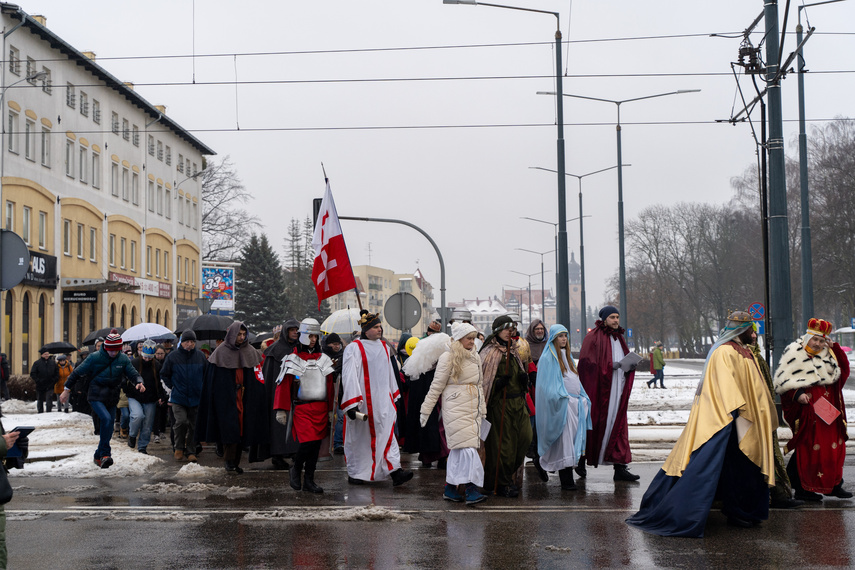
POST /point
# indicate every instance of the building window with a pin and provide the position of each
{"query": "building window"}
(10, 217)
(69, 157)
(31, 70)
(84, 104)
(69, 95)
(114, 179)
(180, 162)
(148, 260)
(126, 184)
(12, 129)
(181, 210)
(114, 123)
(122, 243)
(187, 212)
(43, 230)
(96, 111)
(135, 188)
(193, 272)
(178, 270)
(167, 206)
(126, 130)
(149, 197)
(66, 237)
(112, 252)
(159, 199)
(30, 140)
(93, 244)
(186, 270)
(133, 256)
(14, 60)
(187, 167)
(195, 214)
(136, 139)
(168, 155)
(160, 151)
(25, 226)
(80, 246)
(150, 145)
(96, 170)
(84, 162)
(194, 170)
(166, 265)
(47, 85)
(157, 263)
(45, 147)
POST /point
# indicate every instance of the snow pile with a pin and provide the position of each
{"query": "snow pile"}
(24, 515)
(67, 490)
(203, 488)
(17, 407)
(196, 470)
(172, 516)
(367, 513)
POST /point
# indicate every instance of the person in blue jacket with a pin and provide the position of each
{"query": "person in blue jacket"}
(107, 369)
(182, 374)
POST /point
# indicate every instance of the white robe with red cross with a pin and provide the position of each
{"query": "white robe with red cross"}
(369, 385)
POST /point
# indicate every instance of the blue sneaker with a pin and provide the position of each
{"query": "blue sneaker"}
(451, 494)
(473, 497)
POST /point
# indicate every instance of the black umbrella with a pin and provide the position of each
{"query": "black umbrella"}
(57, 348)
(256, 342)
(93, 336)
(206, 326)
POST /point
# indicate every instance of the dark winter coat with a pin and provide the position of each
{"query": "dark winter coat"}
(218, 411)
(106, 376)
(273, 356)
(150, 372)
(44, 373)
(182, 373)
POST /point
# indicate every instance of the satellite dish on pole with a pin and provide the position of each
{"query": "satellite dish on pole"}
(402, 311)
(14, 259)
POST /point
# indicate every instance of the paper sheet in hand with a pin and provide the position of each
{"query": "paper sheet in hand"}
(825, 410)
(629, 361)
(485, 429)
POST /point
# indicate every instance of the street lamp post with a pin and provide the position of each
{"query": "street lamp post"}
(582, 300)
(529, 275)
(542, 282)
(562, 282)
(621, 261)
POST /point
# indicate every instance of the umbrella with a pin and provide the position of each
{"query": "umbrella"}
(143, 331)
(93, 336)
(58, 348)
(206, 326)
(846, 348)
(343, 321)
(258, 339)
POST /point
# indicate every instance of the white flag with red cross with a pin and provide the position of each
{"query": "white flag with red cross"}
(332, 273)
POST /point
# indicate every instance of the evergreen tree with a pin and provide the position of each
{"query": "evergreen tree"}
(260, 286)
(301, 298)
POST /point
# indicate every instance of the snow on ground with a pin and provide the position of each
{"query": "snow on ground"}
(196, 470)
(367, 513)
(195, 488)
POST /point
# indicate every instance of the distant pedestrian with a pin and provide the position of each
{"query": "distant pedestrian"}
(658, 363)
(63, 364)
(107, 369)
(5, 374)
(143, 404)
(183, 374)
(45, 374)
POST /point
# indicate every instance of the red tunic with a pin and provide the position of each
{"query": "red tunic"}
(820, 448)
(311, 419)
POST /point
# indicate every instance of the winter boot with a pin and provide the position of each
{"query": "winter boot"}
(280, 464)
(581, 470)
(473, 497)
(233, 465)
(106, 461)
(399, 476)
(179, 454)
(296, 471)
(541, 472)
(309, 482)
(566, 477)
(452, 494)
(622, 474)
(132, 441)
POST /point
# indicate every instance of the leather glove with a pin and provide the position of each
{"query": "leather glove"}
(282, 417)
(351, 413)
(633, 367)
(615, 365)
(501, 382)
(423, 419)
(23, 444)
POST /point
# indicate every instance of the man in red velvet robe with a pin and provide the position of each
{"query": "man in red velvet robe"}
(810, 379)
(608, 386)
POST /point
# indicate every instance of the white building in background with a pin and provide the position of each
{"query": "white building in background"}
(103, 188)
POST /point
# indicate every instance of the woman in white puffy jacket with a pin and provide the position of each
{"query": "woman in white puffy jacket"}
(458, 380)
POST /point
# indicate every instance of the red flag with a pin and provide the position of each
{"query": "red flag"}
(331, 273)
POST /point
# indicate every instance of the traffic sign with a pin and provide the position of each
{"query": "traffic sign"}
(402, 311)
(757, 311)
(761, 327)
(628, 333)
(853, 323)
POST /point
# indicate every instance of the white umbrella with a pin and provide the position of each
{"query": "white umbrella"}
(343, 321)
(143, 331)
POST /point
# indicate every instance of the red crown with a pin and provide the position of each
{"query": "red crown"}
(819, 327)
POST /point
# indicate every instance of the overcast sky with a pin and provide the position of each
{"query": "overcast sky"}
(452, 155)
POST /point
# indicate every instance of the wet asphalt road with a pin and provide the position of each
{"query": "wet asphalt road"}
(110, 523)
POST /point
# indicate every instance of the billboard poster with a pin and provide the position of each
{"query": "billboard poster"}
(218, 284)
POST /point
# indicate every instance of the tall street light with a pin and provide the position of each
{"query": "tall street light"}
(582, 300)
(622, 263)
(562, 281)
(542, 282)
(557, 253)
(807, 261)
(529, 275)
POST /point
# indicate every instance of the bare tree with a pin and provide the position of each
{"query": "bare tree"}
(223, 199)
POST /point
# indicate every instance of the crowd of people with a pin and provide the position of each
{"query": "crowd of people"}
(478, 408)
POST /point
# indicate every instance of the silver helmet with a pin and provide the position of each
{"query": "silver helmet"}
(461, 316)
(309, 326)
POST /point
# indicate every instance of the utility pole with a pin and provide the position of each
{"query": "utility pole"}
(780, 302)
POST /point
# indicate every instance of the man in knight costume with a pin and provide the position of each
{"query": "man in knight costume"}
(810, 379)
(304, 402)
(370, 391)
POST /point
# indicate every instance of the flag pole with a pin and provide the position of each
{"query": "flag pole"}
(355, 289)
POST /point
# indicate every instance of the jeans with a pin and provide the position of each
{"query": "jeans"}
(125, 419)
(44, 396)
(185, 427)
(338, 439)
(142, 419)
(105, 416)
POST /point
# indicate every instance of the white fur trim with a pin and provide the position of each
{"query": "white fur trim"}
(800, 370)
